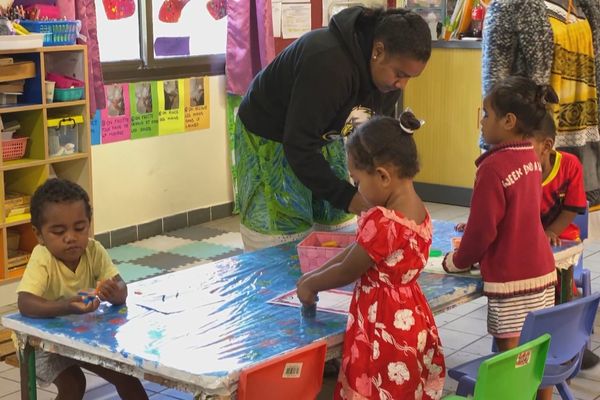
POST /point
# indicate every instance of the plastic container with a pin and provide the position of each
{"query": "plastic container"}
(14, 149)
(63, 135)
(62, 32)
(71, 94)
(312, 254)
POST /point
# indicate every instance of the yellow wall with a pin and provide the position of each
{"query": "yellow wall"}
(141, 180)
(448, 97)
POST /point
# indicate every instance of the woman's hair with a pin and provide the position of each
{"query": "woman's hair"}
(525, 99)
(402, 32)
(547, 128)
(385, 140)
(57, 191)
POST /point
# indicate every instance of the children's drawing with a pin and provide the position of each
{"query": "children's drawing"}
(118, 9)
(170, 11)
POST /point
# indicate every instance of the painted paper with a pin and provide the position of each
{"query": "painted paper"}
(144, 109)
(171, 118)
(334, 301)
(116, 122)
(197, 104)
(96, 128)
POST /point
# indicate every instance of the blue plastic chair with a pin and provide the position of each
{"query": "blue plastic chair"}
(582, 276)
(570, 325)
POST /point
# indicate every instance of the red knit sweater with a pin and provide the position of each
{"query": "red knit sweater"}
(504, 233)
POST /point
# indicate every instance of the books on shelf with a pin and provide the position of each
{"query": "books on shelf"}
(12, 86)
(17, 258)
(16, 204)
(6, 60)
(16, 71)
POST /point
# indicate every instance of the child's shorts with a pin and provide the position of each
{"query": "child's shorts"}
(507, 315)
(48, 366)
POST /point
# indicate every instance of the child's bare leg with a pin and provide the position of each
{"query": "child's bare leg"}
(70, 384)
(545, 394)
(507, 343)
(128, 387)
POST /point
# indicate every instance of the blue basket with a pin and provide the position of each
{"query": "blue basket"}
(59, 33)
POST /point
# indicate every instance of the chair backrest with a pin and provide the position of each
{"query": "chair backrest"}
(581, 220)
(570, 325)
(297, 375)
(514, 374)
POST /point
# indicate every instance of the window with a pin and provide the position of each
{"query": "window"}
(160, 39)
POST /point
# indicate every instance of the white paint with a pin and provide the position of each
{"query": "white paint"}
(142, 180)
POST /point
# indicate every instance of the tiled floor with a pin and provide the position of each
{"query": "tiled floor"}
(462, 329)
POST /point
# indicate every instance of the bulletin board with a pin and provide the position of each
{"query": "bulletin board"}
(316, 16)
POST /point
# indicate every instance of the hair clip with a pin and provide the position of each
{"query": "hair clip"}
(408, 130)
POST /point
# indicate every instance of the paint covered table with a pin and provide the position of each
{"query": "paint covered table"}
(215, 321)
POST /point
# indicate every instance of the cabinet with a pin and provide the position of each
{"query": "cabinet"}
(33, 113)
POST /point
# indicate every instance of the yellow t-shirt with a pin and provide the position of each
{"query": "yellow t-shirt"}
(47, 277)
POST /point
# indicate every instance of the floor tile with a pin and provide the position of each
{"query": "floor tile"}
(230, 239)
(177, 394)
(459, 358)
(129, 252)
(160, 396)
(468, 325)
(200, 250)
(444, 318)
(153, 387)
(41, 395)
(133, 272)
(234, 252)
(481, 347)
(167, 261)
(231, 224)
(106, 392)
(161, 243)
(197, 233)
(4, 366)
(465, 308)
(13, 374)
(8, 387)
(456, 340)
(480, 313)
(585, 389)
(450, 384)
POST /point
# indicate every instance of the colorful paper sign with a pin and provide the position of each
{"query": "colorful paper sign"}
(144, 109)
(96, 128)
(171, 118)
(197, 110)
(116, 117)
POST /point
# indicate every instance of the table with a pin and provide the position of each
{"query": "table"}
(227, 324)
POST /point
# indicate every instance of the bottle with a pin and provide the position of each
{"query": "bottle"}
(477, 15)
(432, 22)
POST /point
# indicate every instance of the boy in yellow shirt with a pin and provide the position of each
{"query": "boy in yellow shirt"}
(65, 262)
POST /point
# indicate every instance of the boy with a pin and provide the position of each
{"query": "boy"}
(563, 195)
(65, 262)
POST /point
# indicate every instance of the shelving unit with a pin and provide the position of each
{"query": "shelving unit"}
(33, 112)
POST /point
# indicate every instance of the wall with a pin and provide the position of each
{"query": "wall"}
(137, 181)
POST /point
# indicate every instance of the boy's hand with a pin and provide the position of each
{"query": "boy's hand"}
(305, 294)
(553, 237)
(112, 290)
(77, 305)
(460, 227)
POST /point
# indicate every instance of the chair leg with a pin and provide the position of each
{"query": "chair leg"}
(466, 386)
(586, 282)
(564, 391)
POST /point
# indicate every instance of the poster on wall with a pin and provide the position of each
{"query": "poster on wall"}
(116, 121)
(96, 128)
(144, 109)
(197, 104)
(171, 118)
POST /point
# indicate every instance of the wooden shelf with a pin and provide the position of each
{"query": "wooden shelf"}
(61, 104)
(17, 220)
(27, 174)
(21, 163)
(13, 108)
(71, 157)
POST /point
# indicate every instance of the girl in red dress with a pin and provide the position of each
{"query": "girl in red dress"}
(392, 349)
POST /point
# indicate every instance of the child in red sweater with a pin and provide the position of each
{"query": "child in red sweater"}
(504, 233)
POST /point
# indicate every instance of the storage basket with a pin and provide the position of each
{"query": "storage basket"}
(312, 254)
(71, 94)
(61, 32)
(14, 149)
(63, 135)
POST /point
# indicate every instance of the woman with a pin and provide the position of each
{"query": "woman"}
(290, 166)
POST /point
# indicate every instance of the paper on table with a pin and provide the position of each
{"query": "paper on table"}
(295, 20)
(334, 301)
(175, 301)
(276, 8)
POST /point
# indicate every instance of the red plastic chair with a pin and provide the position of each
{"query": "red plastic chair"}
(297, 375)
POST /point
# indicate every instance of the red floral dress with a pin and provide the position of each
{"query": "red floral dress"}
(392, 349)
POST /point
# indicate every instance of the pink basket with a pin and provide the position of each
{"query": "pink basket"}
(14, 149)
(312, 254)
